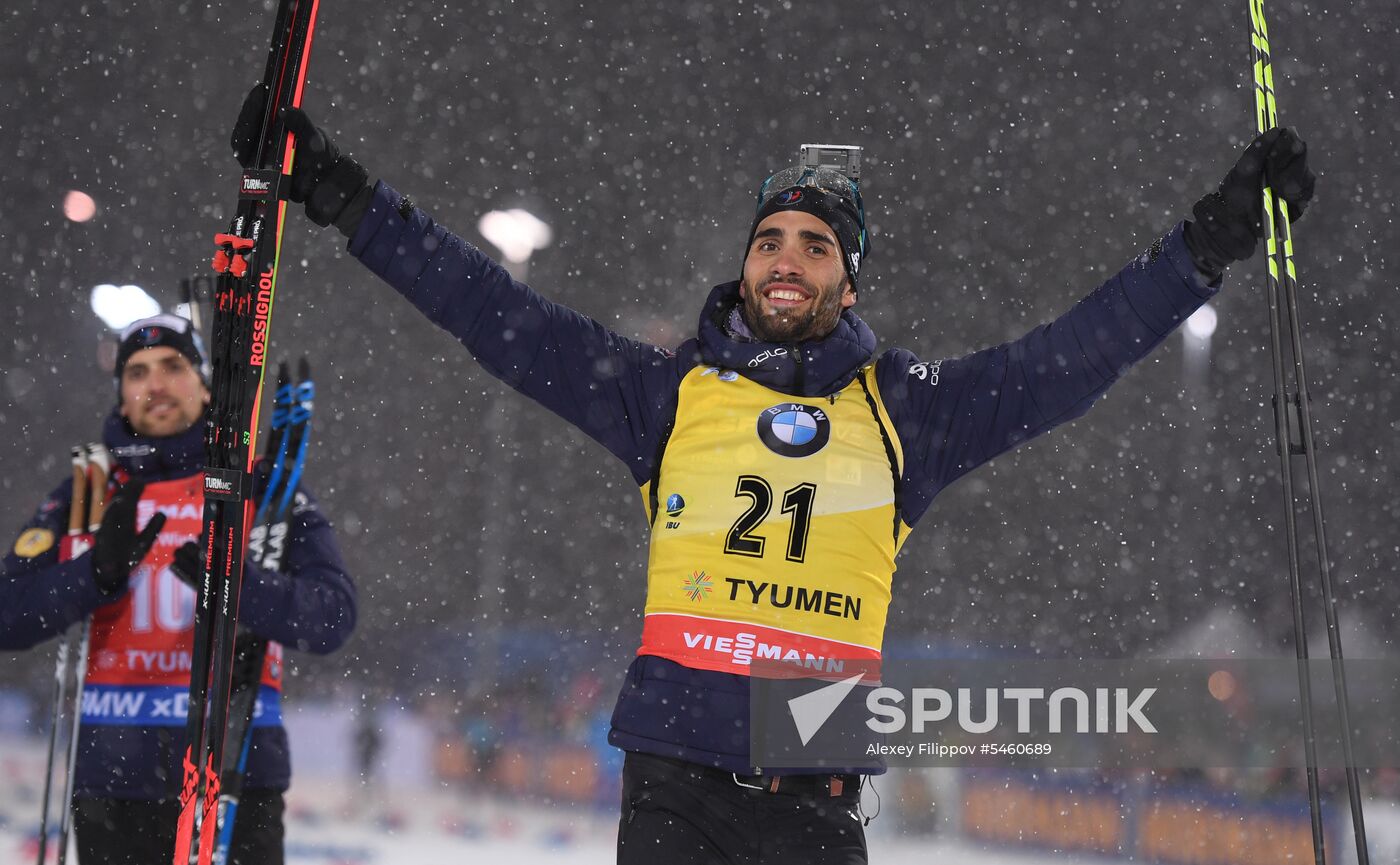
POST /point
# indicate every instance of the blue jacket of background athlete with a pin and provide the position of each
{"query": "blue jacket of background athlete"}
(950, 416)
(309, 605)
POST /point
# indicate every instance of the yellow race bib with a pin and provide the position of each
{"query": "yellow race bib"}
(776, 531)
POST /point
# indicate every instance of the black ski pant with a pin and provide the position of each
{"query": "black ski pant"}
(680, 813)
(142, 831)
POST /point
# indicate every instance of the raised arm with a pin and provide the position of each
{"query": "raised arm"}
(612, 388)
(953, 415)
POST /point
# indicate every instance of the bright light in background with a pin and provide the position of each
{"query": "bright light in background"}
(1195, 360)
(1201, 324)
(120, 305)
(79, 206)
(1222, 685)
(516, 233)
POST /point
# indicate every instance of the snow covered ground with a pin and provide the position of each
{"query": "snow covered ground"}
(443, 828)
(406, 819)
(331, 822)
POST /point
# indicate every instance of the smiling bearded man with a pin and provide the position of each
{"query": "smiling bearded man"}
(792, 459)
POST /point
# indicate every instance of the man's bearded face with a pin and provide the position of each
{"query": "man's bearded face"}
(794, 285)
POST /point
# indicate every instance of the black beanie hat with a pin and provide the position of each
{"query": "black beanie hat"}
(162, 330)
(839, 208)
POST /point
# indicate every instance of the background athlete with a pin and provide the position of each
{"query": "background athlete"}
(131, 584)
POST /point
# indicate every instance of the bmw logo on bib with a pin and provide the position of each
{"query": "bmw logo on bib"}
(794, 430)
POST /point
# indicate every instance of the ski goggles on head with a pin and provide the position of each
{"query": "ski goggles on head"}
(828, 179)
(828, 195)
(163, 329)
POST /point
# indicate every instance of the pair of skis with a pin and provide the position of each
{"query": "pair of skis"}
(92, 468)
(285, 454)
(247, 263)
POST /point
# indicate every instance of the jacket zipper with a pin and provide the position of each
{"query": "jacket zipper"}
(796, 351)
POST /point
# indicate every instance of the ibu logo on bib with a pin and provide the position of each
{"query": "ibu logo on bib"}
(794, 430)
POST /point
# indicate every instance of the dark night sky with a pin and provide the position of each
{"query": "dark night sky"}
(1019, 153)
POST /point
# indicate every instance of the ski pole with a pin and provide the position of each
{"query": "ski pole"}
(250, 652)
(1293, 408)
(77, 521)
(193, 290)
(299, 423)
(65, 826)
(99, 466)
(60, 682)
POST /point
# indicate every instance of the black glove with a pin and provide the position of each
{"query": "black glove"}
(333, 186)
(1230, 221)
(118, 549)
(188, 564)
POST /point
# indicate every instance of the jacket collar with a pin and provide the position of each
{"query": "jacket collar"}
(815, 368)
(152, 458)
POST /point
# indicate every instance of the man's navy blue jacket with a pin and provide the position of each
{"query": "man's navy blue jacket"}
(308, 605)
(950, 415)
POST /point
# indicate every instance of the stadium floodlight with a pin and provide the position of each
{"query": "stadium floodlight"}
(517, 233)
(120, 305)
(1201, 324)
